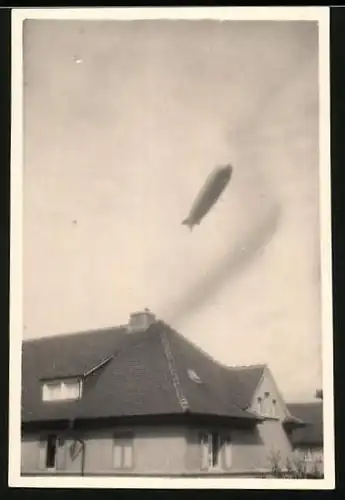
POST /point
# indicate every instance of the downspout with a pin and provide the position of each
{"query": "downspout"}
(71, 420)
(83, 450)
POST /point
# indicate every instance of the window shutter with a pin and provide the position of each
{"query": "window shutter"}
(117, 455)
(127, 451)
(205, 444)
(226, 453)
(122, 450)
(42, 453)
(61, 449)
(193, 455)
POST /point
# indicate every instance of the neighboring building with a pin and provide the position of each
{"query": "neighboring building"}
(307, 441)
(141, 399)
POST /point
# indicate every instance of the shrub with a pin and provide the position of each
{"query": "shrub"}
(295, 467)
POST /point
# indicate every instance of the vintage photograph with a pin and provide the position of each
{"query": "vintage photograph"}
(171, 286)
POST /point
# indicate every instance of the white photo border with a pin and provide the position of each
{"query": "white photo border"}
(319, 14)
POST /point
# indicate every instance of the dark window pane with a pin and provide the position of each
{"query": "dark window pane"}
(215, 449)
(51, 452)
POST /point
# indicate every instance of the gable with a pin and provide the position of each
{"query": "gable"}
(267, 399)
(244, 381)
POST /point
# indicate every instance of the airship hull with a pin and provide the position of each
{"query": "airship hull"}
(208, 196)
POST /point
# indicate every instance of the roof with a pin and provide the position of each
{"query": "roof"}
(311, 434)
(141, 373)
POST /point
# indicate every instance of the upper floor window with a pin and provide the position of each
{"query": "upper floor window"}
(267, 406)
(123, 456)
(260, 406)
(60, 390)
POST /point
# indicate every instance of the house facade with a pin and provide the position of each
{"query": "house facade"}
(307, 441)
(140, 399)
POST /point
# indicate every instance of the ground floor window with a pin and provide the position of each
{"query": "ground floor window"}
(52, 452)
(308, 456)
(123, 456)
(215, 450)
(52, 443)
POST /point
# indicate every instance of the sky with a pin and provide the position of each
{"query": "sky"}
(123, 122)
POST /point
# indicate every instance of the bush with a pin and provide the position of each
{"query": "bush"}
(296, 467)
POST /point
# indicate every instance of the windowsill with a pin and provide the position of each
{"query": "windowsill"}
(67, 400)
(216, 470)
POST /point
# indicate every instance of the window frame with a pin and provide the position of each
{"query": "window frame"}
(59, 448)
(227, 445)
(308, 456)
(121, 440)
(193, 376)
(56, 445)
(207, 438)
(259, 403)
(61, 383)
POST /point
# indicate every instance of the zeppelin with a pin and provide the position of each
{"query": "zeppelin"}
(209, 194)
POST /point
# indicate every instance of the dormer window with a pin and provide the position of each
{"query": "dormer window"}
(194, 377)
(61, 390)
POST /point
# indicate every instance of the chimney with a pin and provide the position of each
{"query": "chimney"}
(140, 321)
(319, 394)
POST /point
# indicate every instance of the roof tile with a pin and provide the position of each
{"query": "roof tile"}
(138, 379)
(312, 415)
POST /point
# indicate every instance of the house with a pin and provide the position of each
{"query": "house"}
(140, 399)
(307, 441)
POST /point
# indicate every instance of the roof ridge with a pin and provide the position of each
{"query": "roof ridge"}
(209, 356)
(194, 345)
(74, 333)
(173, 373)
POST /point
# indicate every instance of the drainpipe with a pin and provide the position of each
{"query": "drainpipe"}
(83, 450)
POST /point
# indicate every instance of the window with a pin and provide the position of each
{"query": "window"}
(52, 452)
(123, 451)
(259, 405)
(193, 376)
(266, 406)
(227, 451)
(215, 451)
(61, 390)
(209, 450)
